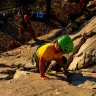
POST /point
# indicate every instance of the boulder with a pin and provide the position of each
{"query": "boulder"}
(84, 53)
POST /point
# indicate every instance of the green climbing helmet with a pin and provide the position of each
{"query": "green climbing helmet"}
(66, 44)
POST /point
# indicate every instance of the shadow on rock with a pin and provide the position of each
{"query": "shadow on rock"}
(78, 78)
(38, 43)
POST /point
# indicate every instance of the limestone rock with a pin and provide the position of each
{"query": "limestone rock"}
(20, 73)
(84, 52)
(85, 55)
(88, 85)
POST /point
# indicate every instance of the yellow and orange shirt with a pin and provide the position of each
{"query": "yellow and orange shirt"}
(47, 51)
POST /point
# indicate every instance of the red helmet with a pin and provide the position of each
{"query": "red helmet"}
(26, 17)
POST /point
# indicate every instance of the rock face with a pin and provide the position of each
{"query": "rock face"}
(17, 78)
(83, 55)
(85, 46)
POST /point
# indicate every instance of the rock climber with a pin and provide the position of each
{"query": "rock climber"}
(26, 26)
(52, 51)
